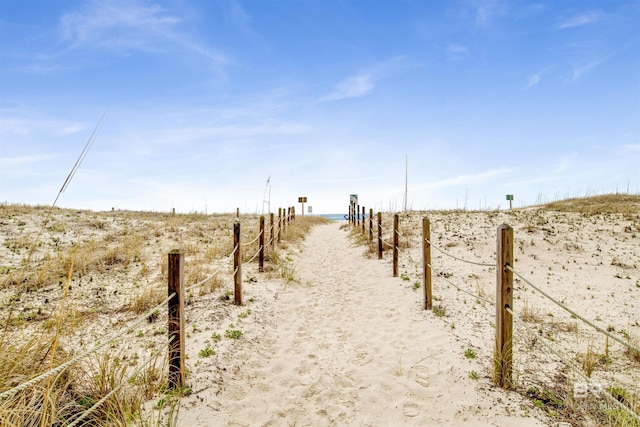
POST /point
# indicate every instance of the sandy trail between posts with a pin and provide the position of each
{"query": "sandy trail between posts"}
(348, 345)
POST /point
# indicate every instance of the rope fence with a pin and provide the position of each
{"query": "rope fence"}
(503, 346)
(175, 302)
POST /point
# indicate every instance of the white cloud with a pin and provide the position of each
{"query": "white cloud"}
(580, 70)
(7, 162)
(456, 51)
(485, 10)
(629, 148)
(534, 79)
(465, 179)
(99, 17)
(353, 87)
(577, 21)
(71, 129)
(126, 26)
(14, 126)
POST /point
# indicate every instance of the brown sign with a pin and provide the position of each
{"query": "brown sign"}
(302, 200)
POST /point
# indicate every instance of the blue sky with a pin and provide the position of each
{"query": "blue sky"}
(208, 99)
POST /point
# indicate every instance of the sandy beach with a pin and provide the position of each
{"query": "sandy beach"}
(327, 336)
(348, 345)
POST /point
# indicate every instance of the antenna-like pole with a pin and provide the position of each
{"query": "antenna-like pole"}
(406, 180)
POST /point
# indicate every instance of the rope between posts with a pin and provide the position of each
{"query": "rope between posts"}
(572, 366)
(188, 288)
(112, 392)
(385, 242)
(254, 257)
(559, 304)
(254, 240)
(68, 363)
(481, 264)
(406, 239)
(479, 298)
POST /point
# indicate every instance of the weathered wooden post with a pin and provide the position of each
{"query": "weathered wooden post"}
(357, 215)
(289, 215)
(379, 235)
(279, 224)
(395, 245)
(293, 213)
(272, 232)
(504, 300)
(363, 221)
(284, 221)
(175, 275)
(261, 254)
(353, 217)
(237, 212)
(370, 226)
(237, 265)
(426, 263)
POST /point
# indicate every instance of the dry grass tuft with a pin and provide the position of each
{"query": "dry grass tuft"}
(628, 204)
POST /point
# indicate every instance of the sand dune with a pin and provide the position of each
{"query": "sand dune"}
(348, 345)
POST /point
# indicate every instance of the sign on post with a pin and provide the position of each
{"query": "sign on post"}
(309, 209)
(354, 199)
(510, 199)
(303, 200)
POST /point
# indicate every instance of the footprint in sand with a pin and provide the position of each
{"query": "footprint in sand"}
(411, 409)
(421, 375)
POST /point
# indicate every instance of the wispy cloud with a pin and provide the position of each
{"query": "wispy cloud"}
(485, 10)
(7, 162)
(466, 179)
(579, 20)
(14, 126)
(629, 148)
(456, 51)
(237, 15)
(99, 21)
(578, 71)
(71, 129)
(353, 87)
(126, 26)
(533, 80)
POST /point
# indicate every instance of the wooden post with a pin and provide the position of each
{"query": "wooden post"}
(363, 220)
(237, 265)
(426, 263)
(173, 211)
(284, 221)
(504, 300)
(370, 225)
(261, 254)
(237, 212)
(272, 233)
(349, 216)
(279, 224)
(395, 245)
(353, 217)
(289, 215)
(176, 320)
(379, 235)
(293, 213)
(357, 215)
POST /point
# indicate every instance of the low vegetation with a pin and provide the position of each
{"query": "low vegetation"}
(69, 279)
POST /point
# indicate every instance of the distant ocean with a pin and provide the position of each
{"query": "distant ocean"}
(336, 217)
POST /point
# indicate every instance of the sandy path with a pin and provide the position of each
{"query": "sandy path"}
(348, 345)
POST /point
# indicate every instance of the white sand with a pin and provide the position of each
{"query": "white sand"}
(348, 345)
